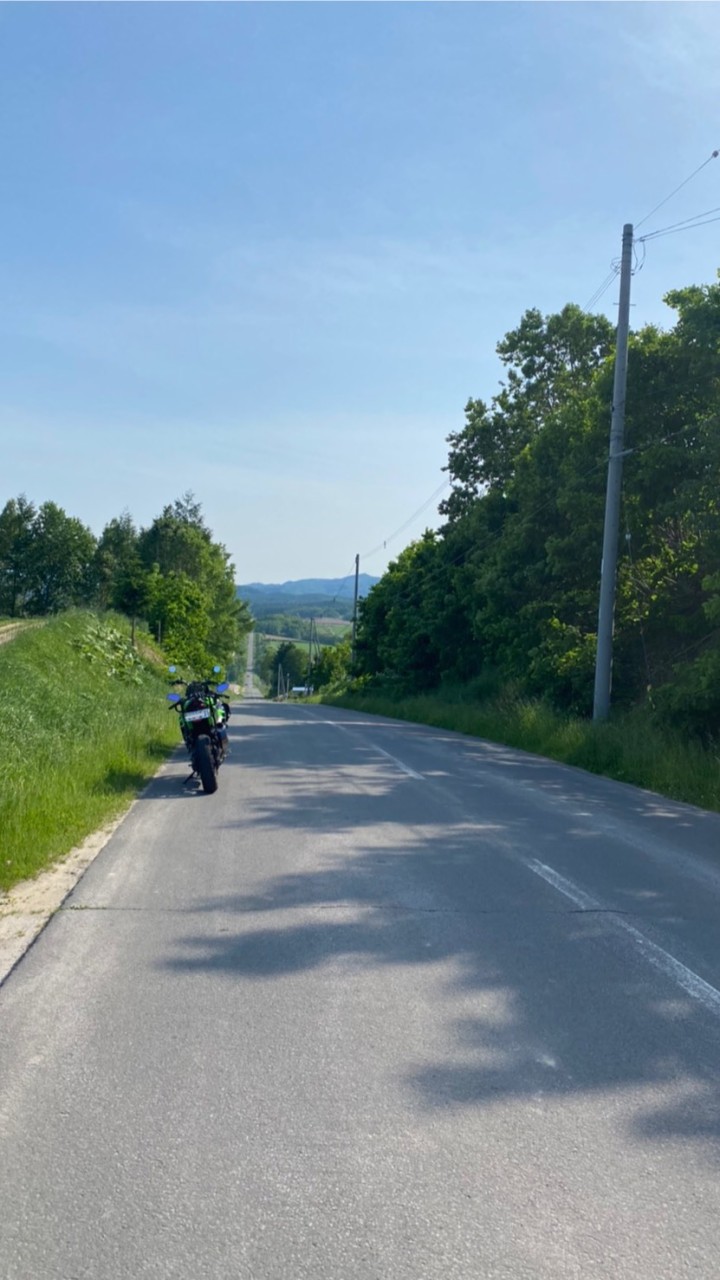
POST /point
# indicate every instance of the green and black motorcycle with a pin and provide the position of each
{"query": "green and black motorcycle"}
(203, 715)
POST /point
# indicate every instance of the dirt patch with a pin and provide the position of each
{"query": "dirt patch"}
(26, 908)
(9, 630)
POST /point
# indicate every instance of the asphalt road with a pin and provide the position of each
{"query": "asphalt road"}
(393, 1004)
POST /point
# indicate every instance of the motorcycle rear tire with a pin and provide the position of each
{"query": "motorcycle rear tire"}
(203, 762)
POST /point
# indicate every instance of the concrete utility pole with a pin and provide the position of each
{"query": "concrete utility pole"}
(355, 604)
(608, 571)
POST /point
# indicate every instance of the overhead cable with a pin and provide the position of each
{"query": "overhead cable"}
(366, 555)
(602, 288)
(684, 183)
(689, 225)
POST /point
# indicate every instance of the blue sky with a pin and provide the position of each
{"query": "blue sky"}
(265, 252)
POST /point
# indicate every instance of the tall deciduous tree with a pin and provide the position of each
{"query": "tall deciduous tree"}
(60, 557)
(178, 547)
(550, 363)
(17, 523)
(511, 583)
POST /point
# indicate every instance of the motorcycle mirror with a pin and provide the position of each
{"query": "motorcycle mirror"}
(172, 670)
(217, 670)
(222, 687)
(174, 697)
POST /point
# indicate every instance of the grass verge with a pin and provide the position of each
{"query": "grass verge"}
(85, 725)
(629, 747)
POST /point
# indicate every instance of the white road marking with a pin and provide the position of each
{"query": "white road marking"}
(374, 747)
(660, 959)
(405, 767)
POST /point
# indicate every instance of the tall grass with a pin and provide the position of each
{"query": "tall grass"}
(84, 723)
(629, 747)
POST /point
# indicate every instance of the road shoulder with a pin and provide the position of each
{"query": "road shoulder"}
(26, 908)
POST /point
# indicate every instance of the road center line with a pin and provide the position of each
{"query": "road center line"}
(660, 959)
(405, 767)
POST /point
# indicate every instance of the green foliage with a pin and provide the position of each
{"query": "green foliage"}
(118, 571)
(288, 627)
(171, 574)
(190, 593)
(178, 609)
(17, 524)
(692, 701)
(550, 362)
(562, 667)
(103, 644)
(286, 655)
(510, 584)
(45, 559)
(332, 667)
(398, 619)
(286, 624)
(85, 721)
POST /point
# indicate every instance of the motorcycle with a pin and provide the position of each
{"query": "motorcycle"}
(203, 716)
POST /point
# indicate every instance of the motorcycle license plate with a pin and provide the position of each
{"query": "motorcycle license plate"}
(196, 715)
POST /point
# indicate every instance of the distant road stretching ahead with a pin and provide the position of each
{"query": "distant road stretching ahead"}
(394, 1004)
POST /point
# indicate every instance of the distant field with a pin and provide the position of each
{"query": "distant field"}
(301, 644)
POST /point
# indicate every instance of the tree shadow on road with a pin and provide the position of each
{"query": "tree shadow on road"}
(397, 881)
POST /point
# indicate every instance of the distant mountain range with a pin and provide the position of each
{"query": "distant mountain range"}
(309, 587)
(305, 597)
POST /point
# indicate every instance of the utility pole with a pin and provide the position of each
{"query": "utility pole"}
(355, 607)
(608, 570)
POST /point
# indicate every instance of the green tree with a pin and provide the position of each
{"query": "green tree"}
(179, 547)
(510, 585)
(60, 557)
(550, 363)
(178, 612)
(17, 524)
(119, 575)
(292, 659)
(332, 666)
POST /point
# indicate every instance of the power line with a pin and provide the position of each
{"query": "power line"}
(687, 224)
(347, 578)
(683, 222)
(603, 287)
(479, 547)
(639, 262)
(615, 269)
(684, 183)
(401, 528)
(698, 220)
(672, 435)
(690, 225)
